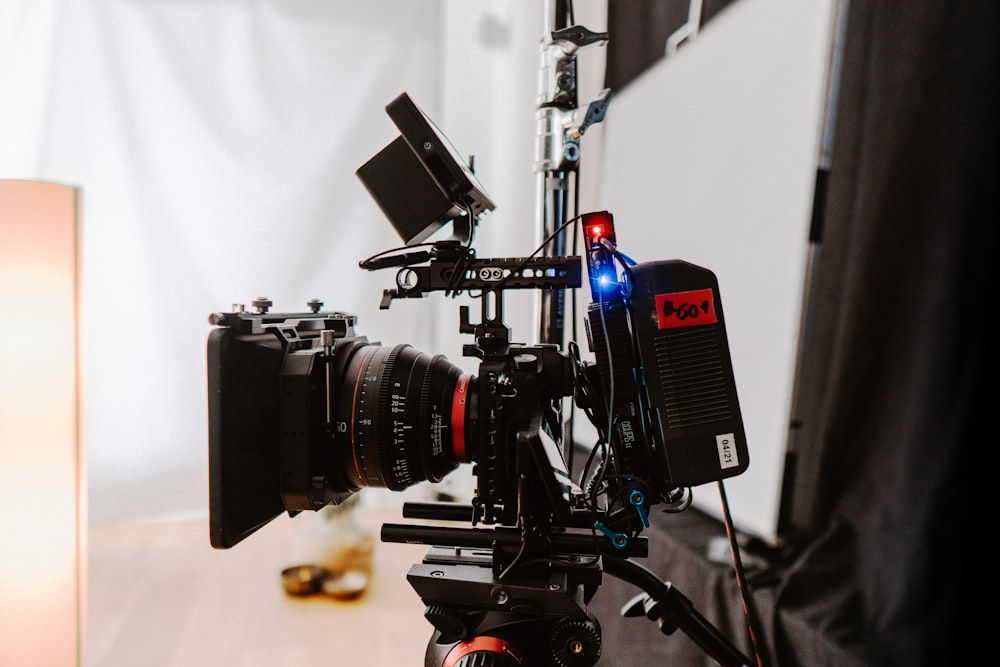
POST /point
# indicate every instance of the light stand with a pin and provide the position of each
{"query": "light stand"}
(557, 144)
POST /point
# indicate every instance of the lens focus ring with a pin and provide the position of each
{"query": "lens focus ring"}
(400, 407)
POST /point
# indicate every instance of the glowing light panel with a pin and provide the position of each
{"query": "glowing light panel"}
(42, 515)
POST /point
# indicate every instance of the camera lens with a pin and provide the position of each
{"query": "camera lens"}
(401, 416)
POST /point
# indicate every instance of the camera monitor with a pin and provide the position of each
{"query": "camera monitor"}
(419, 180)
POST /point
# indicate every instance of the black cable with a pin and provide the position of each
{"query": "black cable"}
(368, 261)
(524, 262)
(611, 390)
(463, 260)
(571, 450)
(734, 549)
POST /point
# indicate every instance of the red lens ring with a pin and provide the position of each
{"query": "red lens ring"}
(458, 403)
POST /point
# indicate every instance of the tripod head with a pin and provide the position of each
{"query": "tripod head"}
(537, 618)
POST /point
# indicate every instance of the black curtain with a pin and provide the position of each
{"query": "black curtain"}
(638, 33)
(896, 365)
(891, 442)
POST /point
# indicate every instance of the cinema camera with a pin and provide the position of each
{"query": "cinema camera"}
(304, 412)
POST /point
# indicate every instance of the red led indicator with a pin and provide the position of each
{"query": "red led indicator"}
(685, 309)
(597, 226)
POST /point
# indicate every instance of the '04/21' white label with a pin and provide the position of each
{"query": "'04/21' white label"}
(726, 444)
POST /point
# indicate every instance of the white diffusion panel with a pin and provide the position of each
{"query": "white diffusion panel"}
(710, 157)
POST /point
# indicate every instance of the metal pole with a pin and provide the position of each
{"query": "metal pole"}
(557, 143)
(555, 97)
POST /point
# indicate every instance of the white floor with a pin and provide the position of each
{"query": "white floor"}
(158, 595)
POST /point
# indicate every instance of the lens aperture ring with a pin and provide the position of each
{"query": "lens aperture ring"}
(392, 427)
(366, 418)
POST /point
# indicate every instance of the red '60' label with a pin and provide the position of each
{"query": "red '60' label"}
(685, 309)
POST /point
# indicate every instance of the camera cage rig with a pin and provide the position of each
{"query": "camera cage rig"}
(511, 376)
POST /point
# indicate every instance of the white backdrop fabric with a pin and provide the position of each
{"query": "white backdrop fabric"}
(215, 144)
